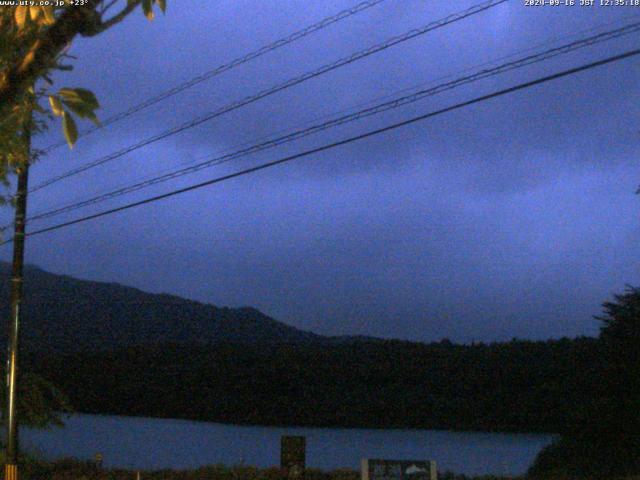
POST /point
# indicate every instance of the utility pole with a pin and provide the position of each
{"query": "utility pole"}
(11, 413)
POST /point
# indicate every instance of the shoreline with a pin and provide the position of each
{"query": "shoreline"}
(72, 468)
(152, 443)
(320, 427)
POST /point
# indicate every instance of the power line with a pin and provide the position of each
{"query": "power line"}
(362, 136)
(455, 17)
(392, 104)
(287, 84)
(225, 67)
(551, 41)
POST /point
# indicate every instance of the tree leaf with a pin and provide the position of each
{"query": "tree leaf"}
(79, 96)
(80, 109)
(49, 16)
(92, 116)
(28, 58)
(83, 111)
(34, 13)
(147, 8)
(163, 5)
(88, 97)
(80, 101)
(56, 105)
(69, 128)
(21, 16)
(68, 94)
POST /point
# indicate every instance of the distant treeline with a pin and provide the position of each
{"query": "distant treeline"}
(516, 386)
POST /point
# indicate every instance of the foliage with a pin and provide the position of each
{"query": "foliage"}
(40, 403)
(34, 40)
(604, 440)
(588, 456)
(620, 335)
(69, 469)
(515, 386)
(33, 44)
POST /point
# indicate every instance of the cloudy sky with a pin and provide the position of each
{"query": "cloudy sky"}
(515, 217)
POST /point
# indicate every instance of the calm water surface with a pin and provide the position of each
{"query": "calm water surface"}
(147, 443)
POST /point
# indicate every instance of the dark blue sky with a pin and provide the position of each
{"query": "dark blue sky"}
(512, 218)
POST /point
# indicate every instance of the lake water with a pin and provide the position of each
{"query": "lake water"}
(147, 443)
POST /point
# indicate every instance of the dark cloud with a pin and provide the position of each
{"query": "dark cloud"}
(514, 217)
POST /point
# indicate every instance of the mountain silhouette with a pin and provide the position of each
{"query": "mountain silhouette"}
(62, 313)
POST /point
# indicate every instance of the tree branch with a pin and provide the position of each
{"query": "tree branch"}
(106, 7)
(117, 18)
(83, 20)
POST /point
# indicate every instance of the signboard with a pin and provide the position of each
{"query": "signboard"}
(292, 455)
(374, 469)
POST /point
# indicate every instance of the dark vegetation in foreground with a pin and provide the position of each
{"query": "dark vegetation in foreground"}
(77, 470)
(603, 441)
(517, 386)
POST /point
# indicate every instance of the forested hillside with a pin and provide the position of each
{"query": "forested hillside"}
(516, 386)
(116, 349)
(62, 313)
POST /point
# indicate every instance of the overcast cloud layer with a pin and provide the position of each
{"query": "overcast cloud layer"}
(512, 218)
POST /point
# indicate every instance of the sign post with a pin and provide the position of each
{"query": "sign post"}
(376, 469)
(292, 455)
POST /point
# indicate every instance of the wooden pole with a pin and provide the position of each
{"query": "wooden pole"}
(11, 465)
